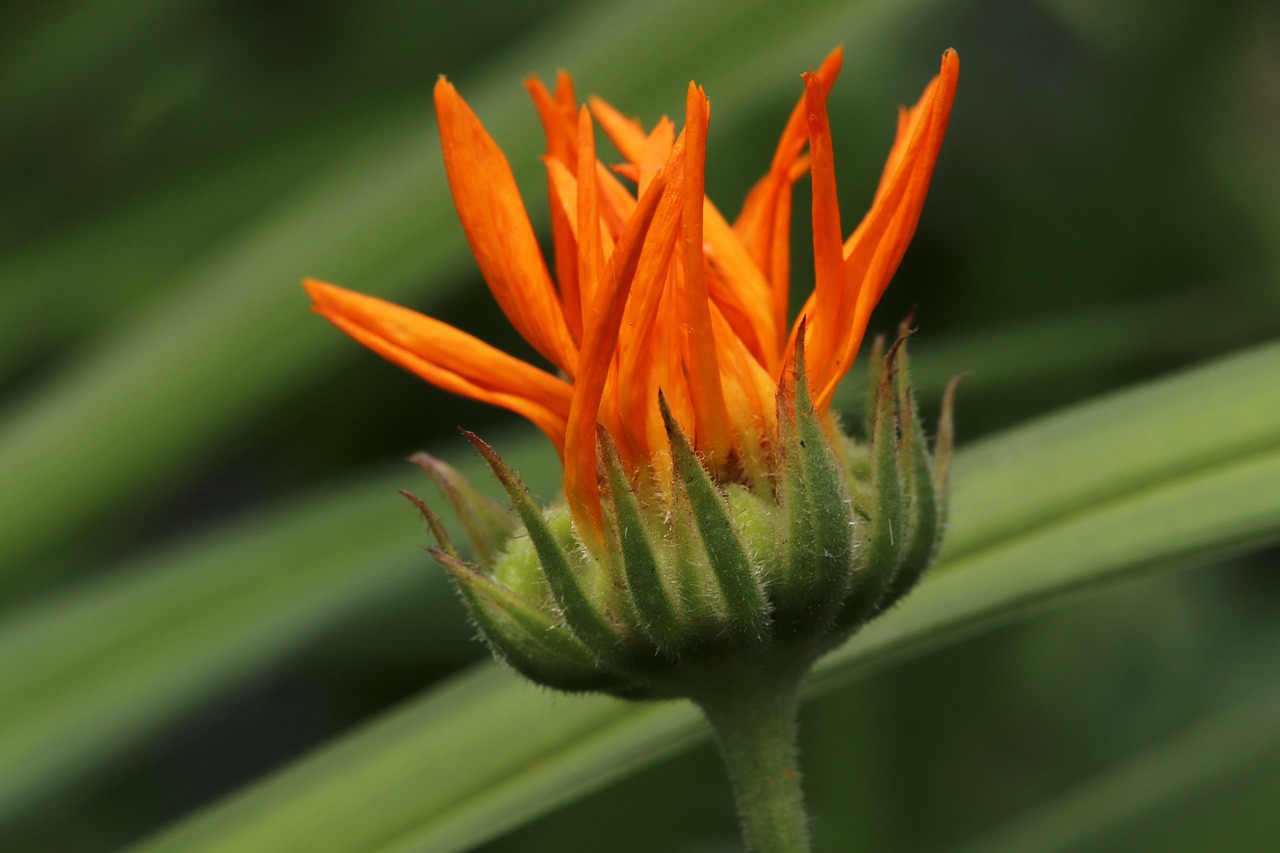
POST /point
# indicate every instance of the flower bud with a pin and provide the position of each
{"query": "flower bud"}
(696, 572)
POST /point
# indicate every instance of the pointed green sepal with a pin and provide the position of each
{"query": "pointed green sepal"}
(792, 591)
(433, 522)
(943, 443)
(528, 639)
(890, 519)
(914, 462)
(486, 525)
(875, 366)
(746, 609)
(819, 512)
(580, 613)
(656, 616)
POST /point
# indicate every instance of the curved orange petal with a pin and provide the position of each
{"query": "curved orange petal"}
(600, 341)
(764, 224)
(714, 436)
(590, 251)
(876, 248)
(564, 195)
(655, 152)
(640, 350)
(625, 133)
(740, 289)
(497, 226)
(447, 357)
(751, 394)
(558, 128)
(558, 122)
(828, 240)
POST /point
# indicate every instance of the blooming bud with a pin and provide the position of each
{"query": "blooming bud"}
(718, 532)
(695, 572)
(712, 508)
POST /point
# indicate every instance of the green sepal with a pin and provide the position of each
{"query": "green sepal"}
(486, 525)
(696, 595)
(875, 367)
(818, 510)
(580, 613)
(791, 593)
(943, 443)
(655, 615)
(526, 638)
(433, 522)
(914, 461)
(889, 520)
(746, 608)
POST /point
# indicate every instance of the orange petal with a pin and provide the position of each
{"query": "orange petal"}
(764, 225)
(740, 289)
(828, 250)
(446, 357)
(617, 201)
(751, 394)
(498, 229)
(564, 197)
(714, 437)
(561, 148)
(558, 124)
(876, 248)
(625, 133)
(590, 252)
(640, 349)
(600, 341)
(655, 153)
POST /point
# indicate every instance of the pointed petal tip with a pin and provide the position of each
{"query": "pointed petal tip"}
(329, 300)
(443, 91)
(950, 70)
(317, 289)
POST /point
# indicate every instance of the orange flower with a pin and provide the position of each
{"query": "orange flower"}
(654, 290)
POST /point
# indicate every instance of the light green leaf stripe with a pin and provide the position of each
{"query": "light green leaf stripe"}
(1126, 440)
(383, 786)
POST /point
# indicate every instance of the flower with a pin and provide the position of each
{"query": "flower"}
(654, 293)
(720, 532)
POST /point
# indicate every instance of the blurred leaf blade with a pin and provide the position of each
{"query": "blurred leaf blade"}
(94, 670)
(1176, 774)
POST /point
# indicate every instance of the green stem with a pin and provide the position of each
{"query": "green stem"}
(755, 723)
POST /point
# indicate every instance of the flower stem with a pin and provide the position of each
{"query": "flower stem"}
(755, 723)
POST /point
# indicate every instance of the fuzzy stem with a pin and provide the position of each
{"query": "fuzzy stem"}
(755, 724)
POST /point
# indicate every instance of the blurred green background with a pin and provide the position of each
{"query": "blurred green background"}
(186, 453)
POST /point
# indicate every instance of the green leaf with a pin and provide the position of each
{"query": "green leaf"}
(1153, 510)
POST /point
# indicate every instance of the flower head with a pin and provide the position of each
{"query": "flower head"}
(720, 532)
(655, 293)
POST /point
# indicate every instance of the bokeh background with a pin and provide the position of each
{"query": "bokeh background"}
(183, 445)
